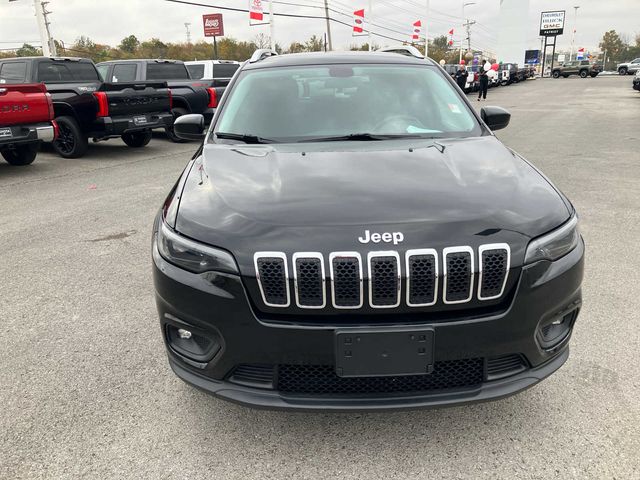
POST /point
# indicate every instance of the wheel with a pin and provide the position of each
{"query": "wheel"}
(623, 70)
(556, 74)
(137, 139)
(177, 112)
(584, 74)
(71, 142)
(565, 75)
(22, 154)
(593, 75)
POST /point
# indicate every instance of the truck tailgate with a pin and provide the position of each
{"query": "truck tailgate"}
(140, 97)
(24, 104)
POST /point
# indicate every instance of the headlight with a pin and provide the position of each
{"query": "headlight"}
(554, 245)
(192, 256)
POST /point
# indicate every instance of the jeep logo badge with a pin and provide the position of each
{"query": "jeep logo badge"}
(386, 237)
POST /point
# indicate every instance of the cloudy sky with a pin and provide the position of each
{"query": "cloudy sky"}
(108, 21)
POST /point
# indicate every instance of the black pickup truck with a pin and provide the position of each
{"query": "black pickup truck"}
(189, 95)
(85, 107)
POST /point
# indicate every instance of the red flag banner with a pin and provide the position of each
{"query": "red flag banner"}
(417, 28)
(255, 10)
(451, 35)
(451, 32)
(358, 21)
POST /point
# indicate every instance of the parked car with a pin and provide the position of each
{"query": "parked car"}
(508, 73)
(218, 72)
(636, 81)
(86, 107)
(629, 67)
(26, 119)
(352, 235)
(584, 68)
(189, 95)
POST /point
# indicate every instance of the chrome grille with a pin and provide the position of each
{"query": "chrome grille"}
(273, 276)
(420, 268)
(384, 279)
(346, 279)
(422, 277)
(309, 279)
(494, 266)
(458, 274)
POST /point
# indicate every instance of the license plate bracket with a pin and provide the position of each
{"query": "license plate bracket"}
(384, 352)
(6, 132)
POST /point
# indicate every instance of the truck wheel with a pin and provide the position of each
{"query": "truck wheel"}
(584, 74)
(622, 70)
(22, 154)
(137, 139)
(593, 75)
(177, 112)
(71, 142)
(555, 74)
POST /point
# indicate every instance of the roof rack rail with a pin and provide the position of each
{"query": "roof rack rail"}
(261, 54)
(407, 50)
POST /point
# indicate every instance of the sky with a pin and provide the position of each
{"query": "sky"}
(108, 21)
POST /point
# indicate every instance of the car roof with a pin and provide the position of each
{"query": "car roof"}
(47, 59)
(336, 58)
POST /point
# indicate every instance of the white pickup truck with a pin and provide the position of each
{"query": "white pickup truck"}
(629, 67)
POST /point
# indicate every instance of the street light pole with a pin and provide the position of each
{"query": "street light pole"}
(575, 25)
(370, 23)
(426, 31)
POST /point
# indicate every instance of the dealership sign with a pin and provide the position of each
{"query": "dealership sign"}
(552, 23)
(213, 26)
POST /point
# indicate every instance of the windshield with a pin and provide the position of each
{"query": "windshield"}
(320, 102)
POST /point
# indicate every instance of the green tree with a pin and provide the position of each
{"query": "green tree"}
(153, 48)
(314, 44)
(28, 51)
(129, 44)
(613, 45)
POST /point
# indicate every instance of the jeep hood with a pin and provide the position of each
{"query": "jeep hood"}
(316, 196)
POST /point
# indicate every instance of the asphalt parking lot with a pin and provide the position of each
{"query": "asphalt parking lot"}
(86, 391)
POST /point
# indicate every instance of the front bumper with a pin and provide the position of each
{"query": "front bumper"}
(107, 127)
(217, 305)
(636, 84)
(23, 134)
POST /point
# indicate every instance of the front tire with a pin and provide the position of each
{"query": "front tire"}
(21, 155)
(584, 74)
(137, 139)
(555, 74)
(177, 112)
(71, 142)
(593, 75)
(623, 70)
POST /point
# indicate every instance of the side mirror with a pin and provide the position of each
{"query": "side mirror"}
(496, 118)
(189, 127)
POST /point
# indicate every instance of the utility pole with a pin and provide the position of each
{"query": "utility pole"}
(426, 31)
(186, 26)
(370, 24)
(468, 25)
(48, 45)
(272, 27)
(575, 26)
(326, 14)
(464, 4)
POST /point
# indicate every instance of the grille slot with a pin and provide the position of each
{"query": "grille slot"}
(322, 380)
(346, 279)
(422, 277)
(309, 280)
(458, 274)
(505, 366)
(494, 260)
(384, 279)
(273, 278)
(260, 376)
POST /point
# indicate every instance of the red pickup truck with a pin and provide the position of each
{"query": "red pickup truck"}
(26, 120)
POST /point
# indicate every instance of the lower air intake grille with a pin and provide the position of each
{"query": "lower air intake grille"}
(505, 366)
(385, 281)
(346, 277)
(260, 376)
(322, 380)
(495, 264)
(458, 276)
(273, 280)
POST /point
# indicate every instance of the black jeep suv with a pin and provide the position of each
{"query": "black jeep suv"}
(351, 235)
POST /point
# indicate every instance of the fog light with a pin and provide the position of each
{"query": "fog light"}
(553, 333)
(182, 333)
(195, 345)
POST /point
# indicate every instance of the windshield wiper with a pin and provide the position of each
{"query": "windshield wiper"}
(243, 137)
(363, 137)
